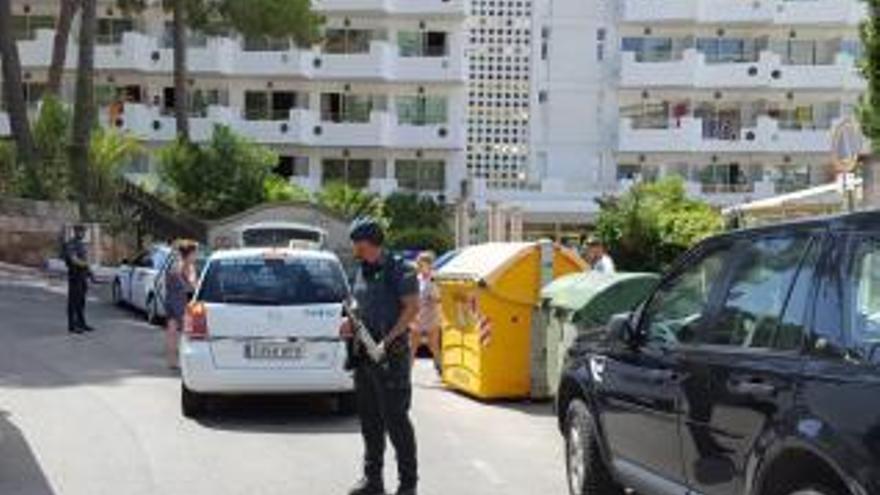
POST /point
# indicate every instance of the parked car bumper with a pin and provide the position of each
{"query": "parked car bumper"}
(201, 375)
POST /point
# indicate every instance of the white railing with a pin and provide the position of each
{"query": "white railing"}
(768, 71)
(139, 52)
(686, 135)
(302, 127)
(422, 7)
(779, 12)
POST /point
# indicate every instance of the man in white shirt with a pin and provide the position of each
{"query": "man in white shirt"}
(597, 256)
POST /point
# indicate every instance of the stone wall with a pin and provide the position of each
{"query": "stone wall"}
(30, 231)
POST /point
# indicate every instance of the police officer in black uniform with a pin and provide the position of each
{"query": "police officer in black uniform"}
(385, 290)
(78, 273)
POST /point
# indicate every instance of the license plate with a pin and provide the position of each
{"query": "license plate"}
(274, 350)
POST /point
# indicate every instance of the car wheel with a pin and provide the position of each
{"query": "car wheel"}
(116, 293)
(587, 472)
(192, 404)
(346, 404)
(152, 310)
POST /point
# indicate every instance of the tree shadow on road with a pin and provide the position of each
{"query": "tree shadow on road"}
(20, 473)
(278, 414)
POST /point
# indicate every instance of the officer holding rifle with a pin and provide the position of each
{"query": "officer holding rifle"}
(385, 292)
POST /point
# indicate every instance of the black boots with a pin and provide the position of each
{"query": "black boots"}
(367, 486)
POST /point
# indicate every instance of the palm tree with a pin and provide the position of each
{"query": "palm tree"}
(109, 152)
(181, 103)
(66, 13)
(12, 88)
(84, 105)
(348, 201)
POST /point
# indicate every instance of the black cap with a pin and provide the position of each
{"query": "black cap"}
(367, 229)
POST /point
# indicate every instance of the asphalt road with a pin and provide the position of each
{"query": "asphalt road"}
(99, 414)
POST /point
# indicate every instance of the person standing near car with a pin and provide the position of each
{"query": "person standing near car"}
(597, 256)
(386, 292)
(180, 282)
(427, 324)
(78, 273)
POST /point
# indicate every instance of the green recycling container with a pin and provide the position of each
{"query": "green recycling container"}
(582, 302)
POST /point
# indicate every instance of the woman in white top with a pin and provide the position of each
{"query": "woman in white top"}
(426, 329)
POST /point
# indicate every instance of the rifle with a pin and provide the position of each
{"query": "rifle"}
(375, 351)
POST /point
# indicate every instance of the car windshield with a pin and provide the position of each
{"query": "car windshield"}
(274, 282)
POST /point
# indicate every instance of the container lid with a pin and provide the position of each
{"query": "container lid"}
(482, 261)
(584, 288)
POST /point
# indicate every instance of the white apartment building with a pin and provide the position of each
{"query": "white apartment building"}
(542, 108)
(738, 97)
(379, 104)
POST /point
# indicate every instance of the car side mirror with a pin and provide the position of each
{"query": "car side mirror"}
(621, 329)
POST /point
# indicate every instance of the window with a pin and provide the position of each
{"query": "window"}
(256, 105)
(347, 41)
(422, 43)
(273, 282)
(651, 49)
(110, 31)
(355, 173)
(266, 44)
(680, 307)
(729, 50)
(292, 166)
(24, 27)
(864, 300)
(421, 110)
(762, 275)
(271, 105)
(420, 175)
(346, 108)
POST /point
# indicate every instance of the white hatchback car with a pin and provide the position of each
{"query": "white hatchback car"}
(265, 320)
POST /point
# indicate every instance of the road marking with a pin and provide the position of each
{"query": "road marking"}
(488, 471)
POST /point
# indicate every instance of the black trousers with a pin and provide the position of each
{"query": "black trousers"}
(77, 286)
(384, 396)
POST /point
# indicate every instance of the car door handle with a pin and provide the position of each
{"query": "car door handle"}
(753, 387)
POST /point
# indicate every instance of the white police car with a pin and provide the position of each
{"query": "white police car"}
(265, 320)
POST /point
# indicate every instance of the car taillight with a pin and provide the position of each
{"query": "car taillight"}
(196, 325)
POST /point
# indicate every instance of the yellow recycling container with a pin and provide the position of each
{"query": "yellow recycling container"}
(488, 294)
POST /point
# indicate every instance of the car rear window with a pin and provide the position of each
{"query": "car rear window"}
(273, 281)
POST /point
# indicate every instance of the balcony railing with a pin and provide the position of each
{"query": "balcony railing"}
(300, 127)
(769, 71)
(689, 135)
(139, 52)
(778, 12)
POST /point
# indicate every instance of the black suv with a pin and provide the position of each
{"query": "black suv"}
(752, 369)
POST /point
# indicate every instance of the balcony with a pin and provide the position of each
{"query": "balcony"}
(451, 8)
(692, 71)
(688, 136)
(225, 56)
(778, 12)
(720, 194)
(302, 127)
